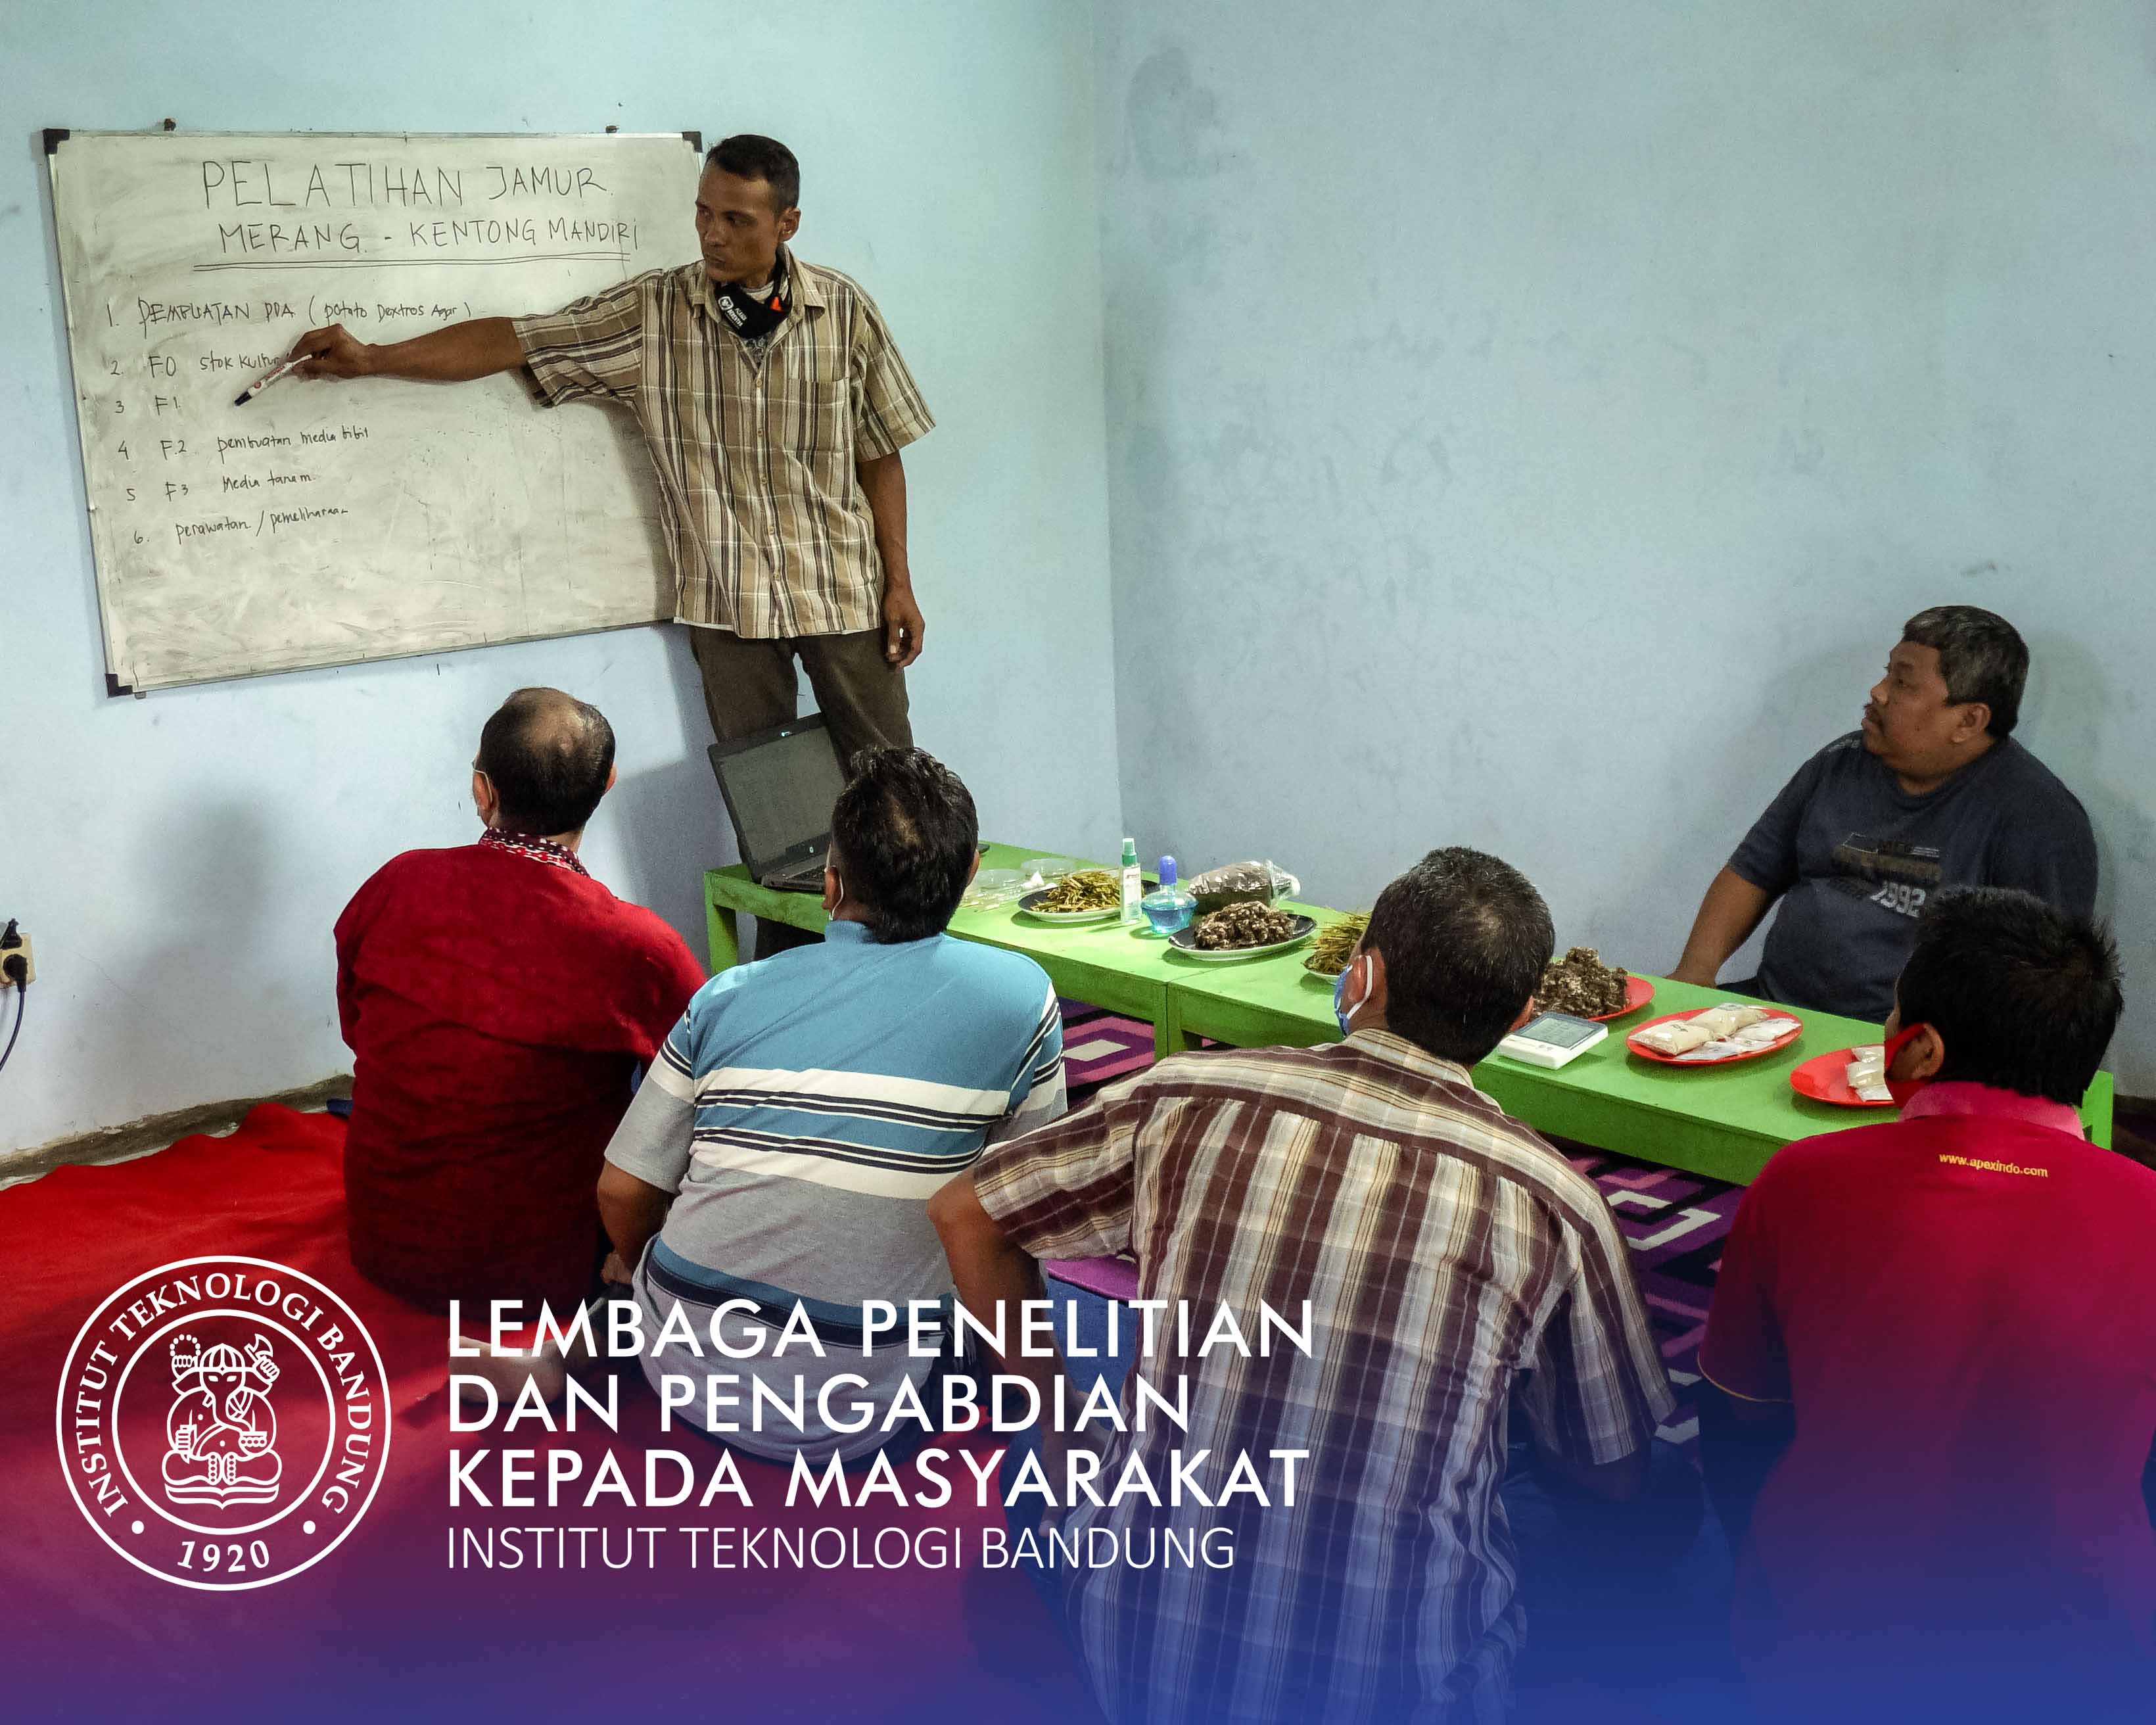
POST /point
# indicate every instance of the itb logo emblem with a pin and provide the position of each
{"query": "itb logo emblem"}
(223, 1422)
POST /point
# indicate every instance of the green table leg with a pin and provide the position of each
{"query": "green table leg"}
(724, 930)
(1169, 1037)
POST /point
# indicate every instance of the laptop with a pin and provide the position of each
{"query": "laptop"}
(780, 786)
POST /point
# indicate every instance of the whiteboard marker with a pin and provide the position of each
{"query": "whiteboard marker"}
(252, 390)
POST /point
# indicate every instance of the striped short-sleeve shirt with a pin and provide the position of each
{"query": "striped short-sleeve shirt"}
(754, 443)
(1448, 1254)
(805, 1110)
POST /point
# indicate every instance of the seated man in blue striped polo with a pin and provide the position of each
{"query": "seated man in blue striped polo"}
(789, 1135)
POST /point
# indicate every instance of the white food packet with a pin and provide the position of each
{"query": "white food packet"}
(1676, 1037)
(1866, 1073)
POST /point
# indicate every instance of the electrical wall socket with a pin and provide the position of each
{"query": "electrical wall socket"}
(24, 953)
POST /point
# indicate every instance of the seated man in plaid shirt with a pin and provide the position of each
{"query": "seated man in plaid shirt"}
(1448, 1254)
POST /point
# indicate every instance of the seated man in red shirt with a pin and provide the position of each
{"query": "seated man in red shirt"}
(1936, 1340)
(496, 1000)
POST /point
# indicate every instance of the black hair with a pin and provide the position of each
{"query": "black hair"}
(2025, 996)
(903, 839)
(1982, 656)
(1464, 939)
(549, 756)
(748, 155)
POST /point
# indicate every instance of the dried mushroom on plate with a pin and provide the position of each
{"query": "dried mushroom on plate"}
(1581, 984)
(1243, 925)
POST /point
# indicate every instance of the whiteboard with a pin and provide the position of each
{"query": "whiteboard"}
(327, 523)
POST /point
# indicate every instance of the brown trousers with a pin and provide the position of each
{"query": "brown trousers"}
(752, 685)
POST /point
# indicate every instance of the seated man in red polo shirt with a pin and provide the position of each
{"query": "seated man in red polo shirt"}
(496, 1000)
(1936, 1340)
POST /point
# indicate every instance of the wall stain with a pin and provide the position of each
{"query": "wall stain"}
(1174, 122)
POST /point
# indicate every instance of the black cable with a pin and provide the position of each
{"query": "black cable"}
(21, 1004)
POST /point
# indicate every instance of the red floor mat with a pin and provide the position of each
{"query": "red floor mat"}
(384, 1624)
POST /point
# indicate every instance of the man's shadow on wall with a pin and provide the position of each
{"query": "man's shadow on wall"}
(210, 871)
(672, 823)
(2072, 694)
(1736, 758)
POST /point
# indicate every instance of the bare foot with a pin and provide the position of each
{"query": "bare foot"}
(509, 1371)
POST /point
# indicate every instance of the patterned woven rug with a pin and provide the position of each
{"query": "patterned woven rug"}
(1675, 1223)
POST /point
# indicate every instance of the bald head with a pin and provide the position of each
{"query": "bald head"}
(550, 757)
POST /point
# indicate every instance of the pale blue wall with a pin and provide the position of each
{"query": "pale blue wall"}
(181, 859)
(1474, 372)
(1528, 425)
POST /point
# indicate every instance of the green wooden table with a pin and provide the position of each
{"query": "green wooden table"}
(1104, 964)
(1723, 1122)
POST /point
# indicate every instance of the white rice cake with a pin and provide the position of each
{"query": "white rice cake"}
(1681, 1037)
(1762, 1033)
(1866, 1073)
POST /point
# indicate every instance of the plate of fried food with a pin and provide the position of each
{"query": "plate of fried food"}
(1085, 895)
(1714, 1035)
(1248, 930)
(1581, 986)
(1335, 946)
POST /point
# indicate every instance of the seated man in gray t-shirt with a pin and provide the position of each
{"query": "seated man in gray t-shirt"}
(784, 1148)
(1932, 792)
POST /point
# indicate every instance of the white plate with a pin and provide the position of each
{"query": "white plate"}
(1185, 942)
(1071, 917)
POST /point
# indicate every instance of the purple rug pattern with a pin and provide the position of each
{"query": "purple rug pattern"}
(1675, 1223)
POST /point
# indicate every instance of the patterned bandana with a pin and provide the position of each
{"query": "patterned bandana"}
(538, 849)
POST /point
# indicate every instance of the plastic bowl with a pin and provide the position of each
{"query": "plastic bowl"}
(994, 887)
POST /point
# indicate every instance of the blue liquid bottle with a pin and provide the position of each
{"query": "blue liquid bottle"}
(1168, 906)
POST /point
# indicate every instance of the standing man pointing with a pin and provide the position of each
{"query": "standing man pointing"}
(774, 404)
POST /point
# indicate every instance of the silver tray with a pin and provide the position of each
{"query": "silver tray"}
(1185, 942)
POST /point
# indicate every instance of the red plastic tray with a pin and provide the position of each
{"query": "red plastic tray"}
(1822, 1077)
(1638, 992)
(1776, 1046)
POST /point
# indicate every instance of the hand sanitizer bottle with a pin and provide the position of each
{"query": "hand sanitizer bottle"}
(1133, 887)
(1168, 906)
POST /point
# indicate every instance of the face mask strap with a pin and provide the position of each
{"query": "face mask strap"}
(1902, 1088)
(1901, 1039)
(1342, 1009)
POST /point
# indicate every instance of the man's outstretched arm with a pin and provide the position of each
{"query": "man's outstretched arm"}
(1732, 909)
(631, 1211)
(1740, 1442)
(457, 354)
(995, 1277)
(648, 1158)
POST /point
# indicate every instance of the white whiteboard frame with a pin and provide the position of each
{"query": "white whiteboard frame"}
(57, 136)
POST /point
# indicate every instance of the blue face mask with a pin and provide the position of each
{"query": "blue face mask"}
(1341, 1010)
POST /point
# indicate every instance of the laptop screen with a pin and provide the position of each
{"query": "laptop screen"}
(781, 792)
